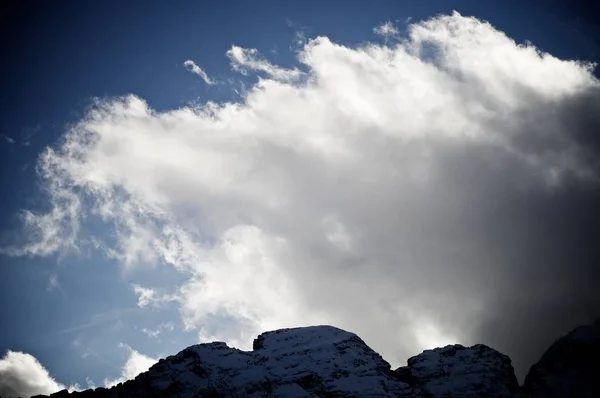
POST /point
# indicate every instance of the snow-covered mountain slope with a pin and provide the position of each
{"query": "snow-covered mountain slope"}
(304, 362)
(323, 361)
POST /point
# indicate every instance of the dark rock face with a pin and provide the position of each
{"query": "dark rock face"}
(323, 361)
(570, 367)
(457, 371)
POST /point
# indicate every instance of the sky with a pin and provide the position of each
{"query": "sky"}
(417, 173)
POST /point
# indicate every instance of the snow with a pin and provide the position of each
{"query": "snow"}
(289, 362)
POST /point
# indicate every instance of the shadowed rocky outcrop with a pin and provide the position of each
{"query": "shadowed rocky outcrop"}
(569, 368)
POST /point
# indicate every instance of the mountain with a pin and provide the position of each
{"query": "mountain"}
(324, 361)
(569, 368)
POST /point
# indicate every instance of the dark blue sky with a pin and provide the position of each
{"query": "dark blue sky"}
(59, 55)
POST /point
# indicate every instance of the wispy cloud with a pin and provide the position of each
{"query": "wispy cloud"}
(154, 333)
(300, 35)
(90, 383)
(192, 67)
(248, 60)
(150, 297)
(8, 139)
(55, 231)
(28, 133)
(25, 136)
(108, 319)
(54, 284)
(387, 30)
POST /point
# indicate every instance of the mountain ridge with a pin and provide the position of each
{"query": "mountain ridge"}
(324, 361)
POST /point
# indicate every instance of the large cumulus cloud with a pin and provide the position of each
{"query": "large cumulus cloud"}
(22, 375)
(437, 189)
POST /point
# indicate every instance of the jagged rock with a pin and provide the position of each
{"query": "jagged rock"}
(458, 371)
(569, 368)
(404, 375)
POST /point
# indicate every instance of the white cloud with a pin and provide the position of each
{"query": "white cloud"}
(136, 363)
(90, 383)
(154, 333)
(150, 297)
(22, 375)
(374, 194)
(192, 67)
(247, 60)
(145, 295)
(387, 30)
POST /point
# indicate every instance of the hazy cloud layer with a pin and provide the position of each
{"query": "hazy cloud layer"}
(21, 375)
(439, 190)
